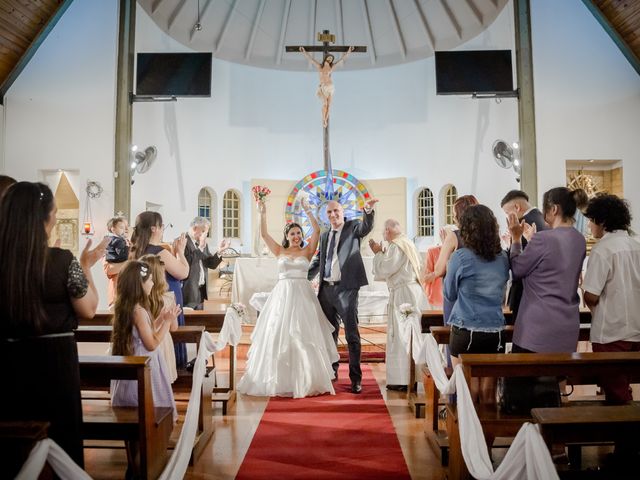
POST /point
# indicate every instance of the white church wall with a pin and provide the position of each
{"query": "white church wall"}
(262, 123)
(59, 113)
(587, 97)
(386, 123)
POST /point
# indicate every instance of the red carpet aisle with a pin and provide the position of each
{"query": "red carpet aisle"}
(345, 436)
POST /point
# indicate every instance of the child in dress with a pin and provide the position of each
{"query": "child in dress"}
(159, 298)
(135, 333)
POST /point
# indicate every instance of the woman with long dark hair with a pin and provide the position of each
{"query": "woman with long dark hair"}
(43, 291)
(292, 348)
(476, 278)
(147, 240)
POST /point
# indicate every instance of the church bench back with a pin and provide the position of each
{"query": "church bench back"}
(150, 425)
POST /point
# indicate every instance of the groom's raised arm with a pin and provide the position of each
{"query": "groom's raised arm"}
(365, 226)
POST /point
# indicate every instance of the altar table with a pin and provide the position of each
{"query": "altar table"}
(259, 275)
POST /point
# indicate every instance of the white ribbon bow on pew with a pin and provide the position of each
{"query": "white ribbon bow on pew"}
(528, 458)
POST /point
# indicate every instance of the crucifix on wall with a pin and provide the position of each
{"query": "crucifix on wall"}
(325, 88)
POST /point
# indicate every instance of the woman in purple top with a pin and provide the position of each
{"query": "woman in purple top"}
(548, 318)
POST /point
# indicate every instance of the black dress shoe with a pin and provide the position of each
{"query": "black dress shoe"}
(356, 387)
(398, 388)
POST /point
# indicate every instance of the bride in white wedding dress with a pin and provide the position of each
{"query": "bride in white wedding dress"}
(292, 347)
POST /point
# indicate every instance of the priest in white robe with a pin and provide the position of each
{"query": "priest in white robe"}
(399, 265)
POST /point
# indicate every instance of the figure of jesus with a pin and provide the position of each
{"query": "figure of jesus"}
(325, 88)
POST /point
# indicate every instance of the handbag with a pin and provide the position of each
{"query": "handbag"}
(518, 395)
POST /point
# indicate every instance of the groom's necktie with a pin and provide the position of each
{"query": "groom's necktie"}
(332, 247)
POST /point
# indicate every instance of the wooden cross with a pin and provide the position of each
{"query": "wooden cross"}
(326, 48)
(326, 38)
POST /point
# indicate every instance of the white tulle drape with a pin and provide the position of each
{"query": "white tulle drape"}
(528, 457)
(48, 451)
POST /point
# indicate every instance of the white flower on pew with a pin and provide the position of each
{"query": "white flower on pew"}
(406, 309)
(240, 309)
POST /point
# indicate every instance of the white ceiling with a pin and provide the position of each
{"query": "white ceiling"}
(255, 32)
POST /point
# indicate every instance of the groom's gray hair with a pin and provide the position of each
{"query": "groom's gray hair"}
(200, 222)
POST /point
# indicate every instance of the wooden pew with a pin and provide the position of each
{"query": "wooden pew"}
(438, 438)
(579, 368)
(212, 321)
(185, 334)
(598, 423)
(434, 319)
(150, 426)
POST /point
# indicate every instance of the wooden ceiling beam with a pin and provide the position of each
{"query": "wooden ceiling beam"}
(32, 47)
(612, 31)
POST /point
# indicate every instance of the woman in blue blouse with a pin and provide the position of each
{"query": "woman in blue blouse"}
(475, 283)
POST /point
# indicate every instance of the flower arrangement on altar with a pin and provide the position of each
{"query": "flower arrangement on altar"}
(406, 309)
(260, 193)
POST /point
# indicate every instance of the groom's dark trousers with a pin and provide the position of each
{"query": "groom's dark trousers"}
(340, 303)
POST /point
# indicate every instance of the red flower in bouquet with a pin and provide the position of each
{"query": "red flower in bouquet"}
(260, 192)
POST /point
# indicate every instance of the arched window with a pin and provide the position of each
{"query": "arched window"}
(231, 214)
(205, 206)
(425, 213)
(450, 197)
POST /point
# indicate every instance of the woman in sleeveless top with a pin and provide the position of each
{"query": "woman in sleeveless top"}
(43, 291)
(292, 348)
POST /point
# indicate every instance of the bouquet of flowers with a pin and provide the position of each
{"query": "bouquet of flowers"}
(260, 193)
(406, 309)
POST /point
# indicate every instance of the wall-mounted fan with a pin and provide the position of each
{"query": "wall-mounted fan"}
(503, 153)
(143, 159)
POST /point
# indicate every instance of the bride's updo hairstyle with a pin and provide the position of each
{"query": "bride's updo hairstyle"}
(288, 227)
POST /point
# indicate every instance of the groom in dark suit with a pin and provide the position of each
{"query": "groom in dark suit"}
(342, 274)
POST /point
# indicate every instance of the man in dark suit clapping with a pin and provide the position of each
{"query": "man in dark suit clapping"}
(342, 274)
(194, 287)
(517, 202)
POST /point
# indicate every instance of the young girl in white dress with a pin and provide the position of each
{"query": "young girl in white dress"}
(292, 347)
(134, 333)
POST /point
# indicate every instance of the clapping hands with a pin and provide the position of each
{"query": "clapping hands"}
(529, 231)
(179, 244)
(88, 258)
(224, 244)
(375, 246)
(168, 314)
(516, 227)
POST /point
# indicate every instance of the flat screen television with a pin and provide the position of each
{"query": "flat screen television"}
(173, 74)
(474, 71)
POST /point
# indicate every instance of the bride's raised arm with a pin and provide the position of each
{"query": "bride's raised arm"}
(264, 233)
(315, 235)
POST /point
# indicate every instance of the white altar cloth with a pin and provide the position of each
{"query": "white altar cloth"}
(259, 275)
(370, 304)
